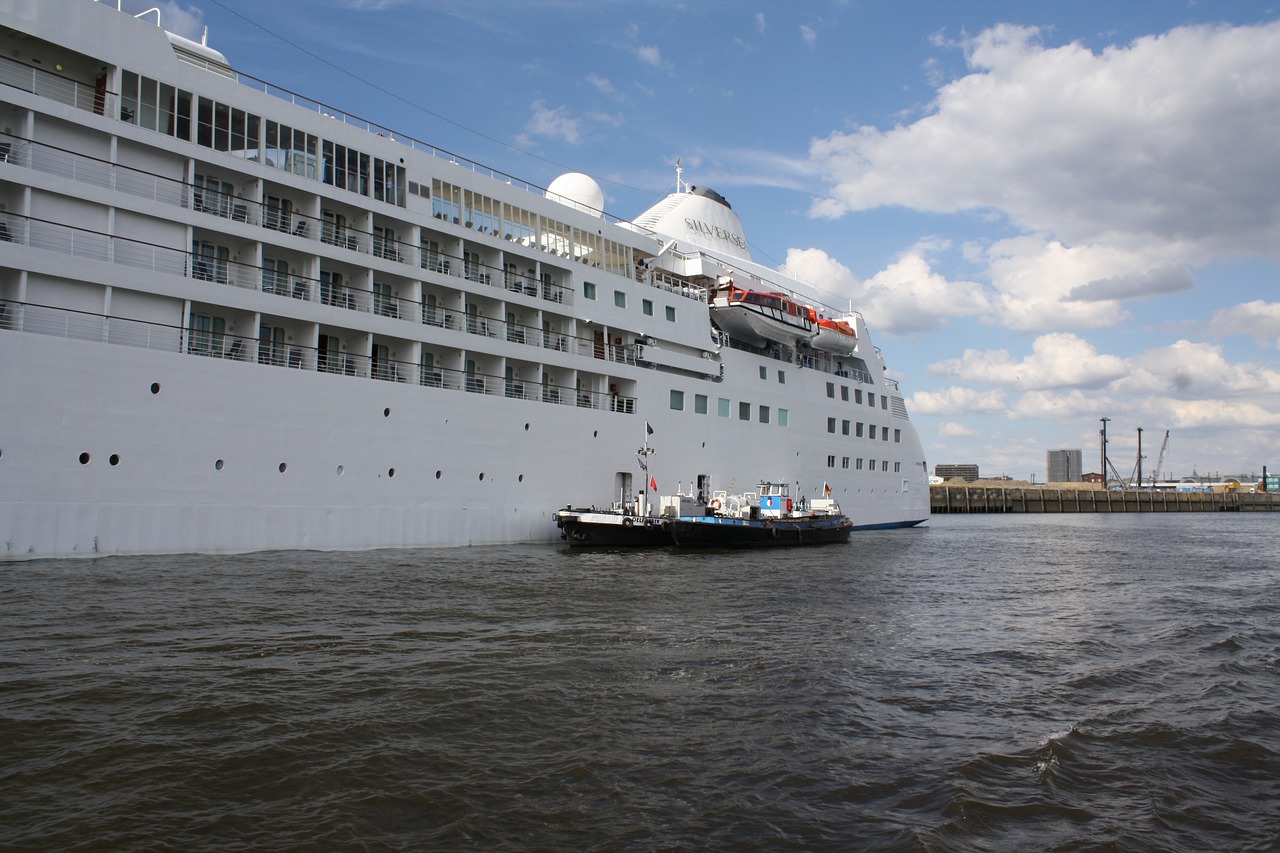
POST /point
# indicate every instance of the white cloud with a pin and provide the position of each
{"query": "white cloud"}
(602, 84)
(1058, 360)
(951, 429)
(650, 55)
(1258, 319)
(958, 401)
(809, 34)
(1122, 168)
(1126, 146)
(907, 297)
(760, 21)
(554, 122)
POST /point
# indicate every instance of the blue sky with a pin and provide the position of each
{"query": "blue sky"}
(1048, 212)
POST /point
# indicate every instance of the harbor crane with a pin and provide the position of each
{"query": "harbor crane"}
(1159, 469)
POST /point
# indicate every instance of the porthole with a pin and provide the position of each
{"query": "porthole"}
(482, 476)
(217, 465)
(526, 427)
(595, 433)
(338, 470)
(84, 458)
(113, 459)
(391, 472)
(282, 467)
(386, 413)
(520, 479)
(155, 387)
(437, 475)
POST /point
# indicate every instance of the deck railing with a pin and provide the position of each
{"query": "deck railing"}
(88, 326)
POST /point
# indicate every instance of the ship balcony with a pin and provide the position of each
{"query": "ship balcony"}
(207, 338)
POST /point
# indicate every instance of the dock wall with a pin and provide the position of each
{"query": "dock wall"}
(945, 500)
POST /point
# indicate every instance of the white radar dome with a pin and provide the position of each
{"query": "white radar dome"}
(577, 190)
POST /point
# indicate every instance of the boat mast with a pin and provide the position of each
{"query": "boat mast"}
(642, 457)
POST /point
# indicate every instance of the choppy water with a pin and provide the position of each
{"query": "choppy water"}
(990, 683)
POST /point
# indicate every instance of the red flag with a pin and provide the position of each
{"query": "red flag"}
(653, 485)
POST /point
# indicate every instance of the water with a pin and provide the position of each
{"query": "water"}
(1085, 682)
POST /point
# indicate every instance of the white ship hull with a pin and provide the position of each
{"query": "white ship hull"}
(120, 435)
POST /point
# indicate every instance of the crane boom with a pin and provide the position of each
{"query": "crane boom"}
(1159, 469)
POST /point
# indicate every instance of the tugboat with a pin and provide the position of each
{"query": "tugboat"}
(624, 524)
(768, 519)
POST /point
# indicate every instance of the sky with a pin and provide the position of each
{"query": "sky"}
(1048, 212)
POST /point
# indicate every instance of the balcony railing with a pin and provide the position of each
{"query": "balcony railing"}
(206, 343)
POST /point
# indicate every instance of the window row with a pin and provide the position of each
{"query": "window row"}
(724, 408)
(857, 395)
(166, 109)
(870, 464)
(487, 215)
(620, 301)
(861, 430)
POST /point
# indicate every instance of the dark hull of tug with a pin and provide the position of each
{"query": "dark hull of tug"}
(718, 532)
(614, 533)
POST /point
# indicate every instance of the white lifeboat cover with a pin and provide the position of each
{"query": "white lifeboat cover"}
(701, 217)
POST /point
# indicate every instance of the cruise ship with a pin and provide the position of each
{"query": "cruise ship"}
(235, 318)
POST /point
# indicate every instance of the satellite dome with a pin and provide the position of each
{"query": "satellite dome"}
(577, 190)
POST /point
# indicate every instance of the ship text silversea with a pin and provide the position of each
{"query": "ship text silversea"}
(233, 318)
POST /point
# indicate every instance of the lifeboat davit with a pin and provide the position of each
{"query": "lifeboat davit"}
(837, 336)
(757, 318)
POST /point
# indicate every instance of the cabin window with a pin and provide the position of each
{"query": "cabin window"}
(211, 195)
(677, 400)
(700, 404)
(671, 313)
(271, 345)
(206, 336)
(897, 467)
(646, 305)
(588, 290)
(744, 411)
(844, 462)
(871, 399)
(764, 372)
(884, 402)
(831, 390)
(857, 429)
(209, 261)
(334, 231)
(844, 393)
(871, 431)
(844, 427)
(897, 436)
(275, 276)
(764, 414)
(620, 299)
(831, 425)
(722, 407)
(782, 417)
(884, 434)
(293, 151)
(857, 464)
(884, 466)
(871, 464)
(857, 396)
(782, 377)
(831, 461)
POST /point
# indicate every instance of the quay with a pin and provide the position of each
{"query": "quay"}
(947, 500)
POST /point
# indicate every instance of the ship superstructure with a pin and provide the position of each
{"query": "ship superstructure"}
(232, 318)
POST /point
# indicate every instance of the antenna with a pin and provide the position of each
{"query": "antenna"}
(680, 184)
